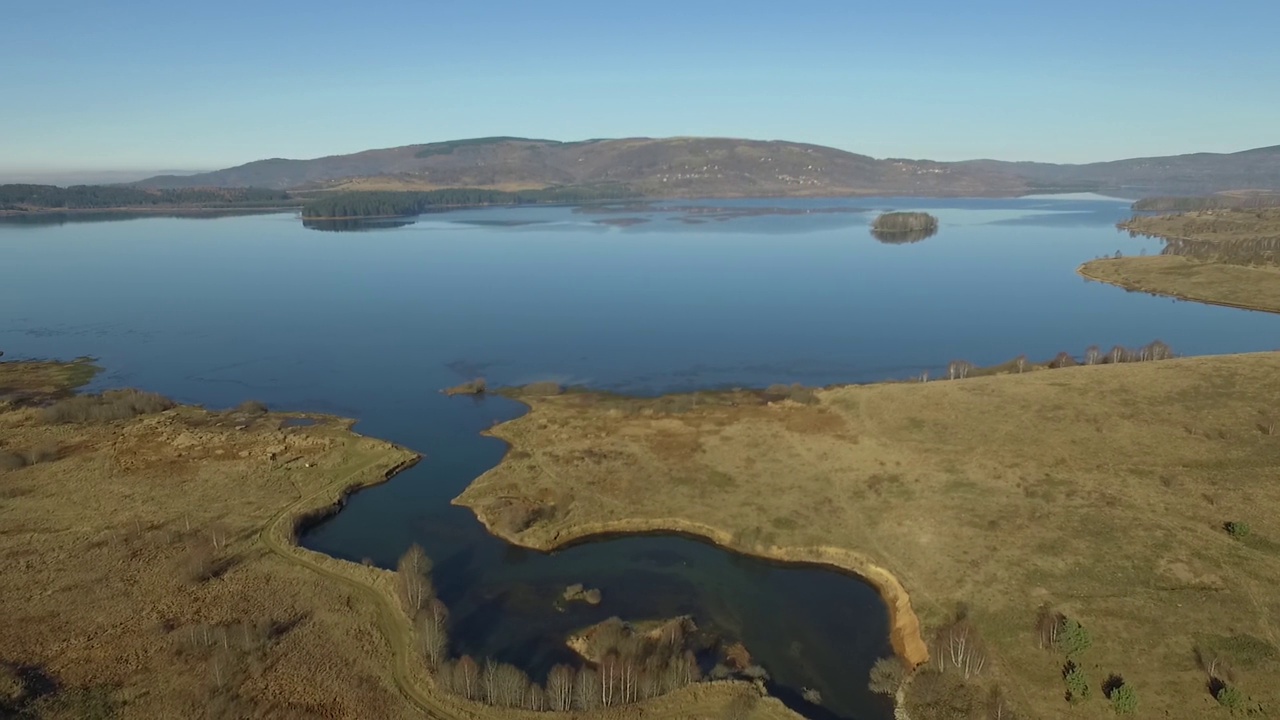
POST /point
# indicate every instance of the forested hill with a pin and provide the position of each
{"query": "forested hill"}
(675, 167)
(100, 197)
(691, 167)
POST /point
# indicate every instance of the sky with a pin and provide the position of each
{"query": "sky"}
(90, 85)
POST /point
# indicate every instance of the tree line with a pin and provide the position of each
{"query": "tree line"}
(1093, 355)
(632, 667)
(88, 197)
(401, 203)
(1211, 202)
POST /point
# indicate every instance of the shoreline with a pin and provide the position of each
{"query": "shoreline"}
(1083, 271)
(148, 210)
(905, 630)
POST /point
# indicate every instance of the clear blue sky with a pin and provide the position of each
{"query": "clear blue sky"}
(88, 84)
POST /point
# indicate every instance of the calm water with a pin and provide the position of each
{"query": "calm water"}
(372, 324)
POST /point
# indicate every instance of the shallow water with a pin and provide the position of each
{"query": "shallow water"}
(372, 324)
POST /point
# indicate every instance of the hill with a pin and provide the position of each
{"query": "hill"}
(687, 166)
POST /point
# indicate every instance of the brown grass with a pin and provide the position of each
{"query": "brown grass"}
(1101, 490)
(1251, 288)
(149, 569)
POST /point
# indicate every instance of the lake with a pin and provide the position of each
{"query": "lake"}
(635, 298)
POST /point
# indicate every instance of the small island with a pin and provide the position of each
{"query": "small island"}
(904, 227)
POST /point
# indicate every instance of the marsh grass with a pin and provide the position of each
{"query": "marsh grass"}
(1081, 487)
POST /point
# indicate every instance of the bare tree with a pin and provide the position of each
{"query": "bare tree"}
(1092, 355)
(586, 692)
(961, 649)
(959, 369)
(1117, 354)
(433, 632)
(535, 698)
(1021, 363)
(414, 579)
(1048, 623)
(466, 675)
(560, 687)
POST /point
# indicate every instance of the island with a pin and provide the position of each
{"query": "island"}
(1222, 257)
(1036, 536)
(897, 228)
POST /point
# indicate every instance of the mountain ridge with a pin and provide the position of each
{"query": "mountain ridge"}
(714, 166)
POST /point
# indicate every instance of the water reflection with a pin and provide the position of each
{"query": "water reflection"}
(355, 224)
(903, 237)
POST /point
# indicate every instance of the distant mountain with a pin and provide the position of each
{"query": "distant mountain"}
(681, 167)
(1193, 174)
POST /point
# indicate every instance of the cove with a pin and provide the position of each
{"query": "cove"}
(503, 599)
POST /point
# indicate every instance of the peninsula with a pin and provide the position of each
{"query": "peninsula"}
(1222, 257)
(1095, 507)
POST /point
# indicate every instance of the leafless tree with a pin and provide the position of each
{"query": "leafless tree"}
(1092, 355)
(1021, 363)
(960, 648)
(959, 369)
(535, 698)
(560, 687)
(1117, 354)
(586, 692)
(504, 685)
(414, 580)
(433, 632)
(466, 675)
(1048, 623)
(1157, 350)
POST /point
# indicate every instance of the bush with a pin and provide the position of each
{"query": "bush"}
(1237, 530)
(1073, 638)
(252, 407)
(1124, 701)
(1077, 684)
(107, 407)
(1230, 697)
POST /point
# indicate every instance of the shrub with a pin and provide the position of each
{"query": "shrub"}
(1237, 530)
(252, 407)
(1077, 684)
(1230, 697)
(1124, 701)
(1073, 638)
(110, 405)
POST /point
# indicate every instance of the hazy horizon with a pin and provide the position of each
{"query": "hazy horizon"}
(151, 85)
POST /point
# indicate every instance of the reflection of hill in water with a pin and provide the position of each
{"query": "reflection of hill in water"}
(354, 224)
(902, 237)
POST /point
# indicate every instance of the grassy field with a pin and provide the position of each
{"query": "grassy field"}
(1221, 257)
(1100, 490)
(150, 570)
(1252, 288)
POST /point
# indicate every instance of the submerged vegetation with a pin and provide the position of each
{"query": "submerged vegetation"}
(394, 203)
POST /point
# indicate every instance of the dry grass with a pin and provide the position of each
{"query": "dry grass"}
(132, 560)
(1252, 288)
(148, 570)
(1101, 490)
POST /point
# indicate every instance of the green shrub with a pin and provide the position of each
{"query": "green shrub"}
(1124, 700)
(1230, 697)
(1073, 638)
(1237, 530)
(1077, 683)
